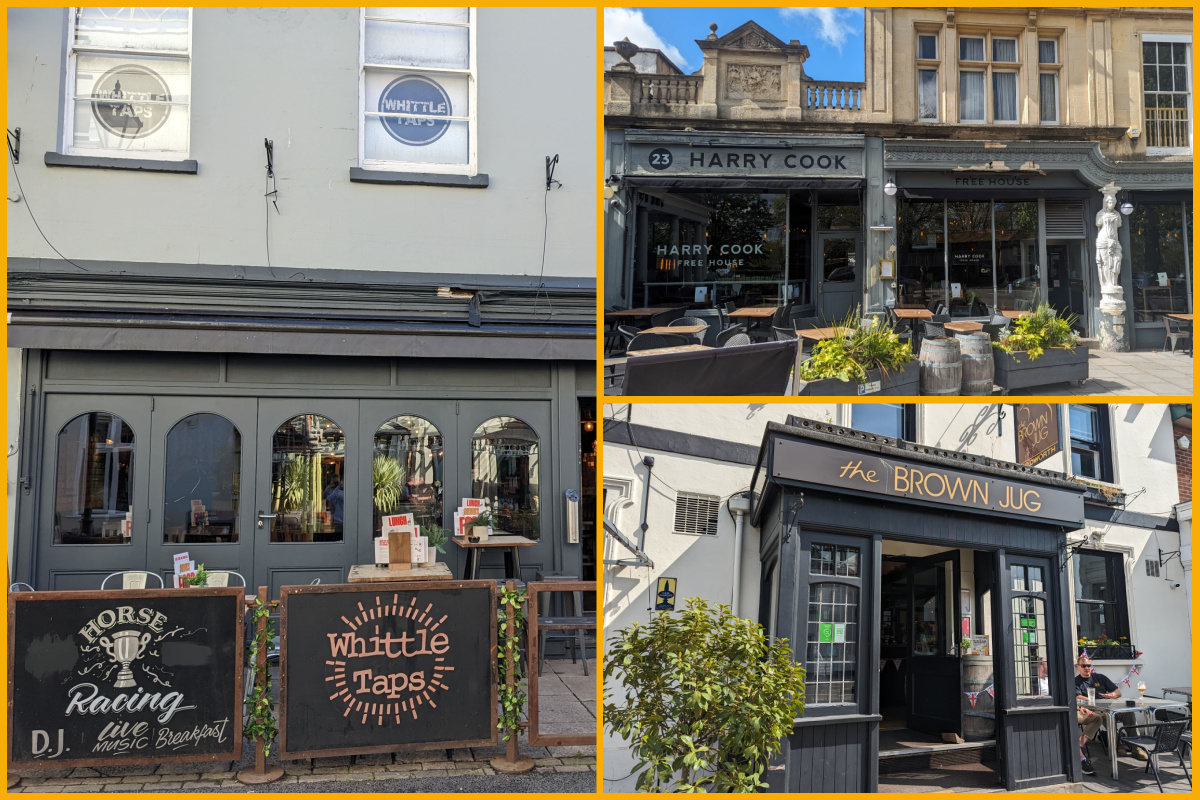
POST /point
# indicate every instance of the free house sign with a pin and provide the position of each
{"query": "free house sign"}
(125, 676)
(377, 669)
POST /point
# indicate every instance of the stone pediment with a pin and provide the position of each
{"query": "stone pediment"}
(753, 37)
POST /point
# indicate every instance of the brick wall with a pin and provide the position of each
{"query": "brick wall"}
(1183, 463)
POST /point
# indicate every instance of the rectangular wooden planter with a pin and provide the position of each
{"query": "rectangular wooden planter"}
(1055, 365)
(905, 382)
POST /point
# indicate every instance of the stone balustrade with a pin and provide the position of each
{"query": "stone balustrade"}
(667, 90)
(836, 95)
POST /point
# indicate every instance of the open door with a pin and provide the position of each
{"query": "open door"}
(933, 691)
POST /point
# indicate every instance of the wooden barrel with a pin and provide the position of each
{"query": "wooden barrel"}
(941, 367)
(978, 367)
(978, 721)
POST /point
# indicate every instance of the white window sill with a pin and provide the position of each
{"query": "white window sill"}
(183, 167)
(388, 177)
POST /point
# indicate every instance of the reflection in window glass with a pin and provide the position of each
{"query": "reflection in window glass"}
(920, 266)
(504, 471)
(970, 233)
(828, 559)
(885, 419)
(1158, 256)
(93, 483)
(927, 94)
(308, 456)
(203, 480)
(1017, 255)
(831, 657)
(1030, 644)
(407, 471)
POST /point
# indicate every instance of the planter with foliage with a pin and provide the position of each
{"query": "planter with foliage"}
(860, 359)
(1103, 647)
(703, 698)
(1041, 348)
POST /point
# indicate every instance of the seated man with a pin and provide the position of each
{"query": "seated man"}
(1090, 720)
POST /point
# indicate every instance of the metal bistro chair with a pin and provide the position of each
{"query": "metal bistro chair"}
(932, 330)
(735, 338)
(697, 338)
(133, 579)
(996, 326)
(16, 587)
(1185, 741)
(574, 636)
(1176, 329)
(783, 334)
(717, 322)
(220, 577)
(1159, 738)
(651, 341)
(664, 318)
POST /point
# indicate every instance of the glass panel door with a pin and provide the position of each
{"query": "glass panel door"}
(839, 274)
(1068, 289)
(934, 702)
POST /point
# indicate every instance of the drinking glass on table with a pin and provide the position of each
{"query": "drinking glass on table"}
(1141, 687)
(1091, 695)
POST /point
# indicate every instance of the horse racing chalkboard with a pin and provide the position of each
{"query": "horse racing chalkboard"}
(124, 677)
(378, 668)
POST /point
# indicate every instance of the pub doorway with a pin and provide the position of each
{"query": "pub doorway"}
(938, 727)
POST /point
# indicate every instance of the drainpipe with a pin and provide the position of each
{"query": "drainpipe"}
(740, 506)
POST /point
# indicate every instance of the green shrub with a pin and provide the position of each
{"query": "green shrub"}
(1041, 328)
(856, 349)
(702, 697)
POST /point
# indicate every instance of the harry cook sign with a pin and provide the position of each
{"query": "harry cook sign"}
(745, 161)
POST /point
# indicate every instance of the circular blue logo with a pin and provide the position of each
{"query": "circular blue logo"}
(413, 94)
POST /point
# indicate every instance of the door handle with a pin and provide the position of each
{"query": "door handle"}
(262, 516)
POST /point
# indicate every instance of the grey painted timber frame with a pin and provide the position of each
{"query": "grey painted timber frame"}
(837, 750)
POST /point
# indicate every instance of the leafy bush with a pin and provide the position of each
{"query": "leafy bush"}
(1041, 328)
(388, 477)
(704, 699)
(437, 536)
(855, 349)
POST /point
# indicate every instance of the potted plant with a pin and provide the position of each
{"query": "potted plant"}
(964, 646)
(1041, 347)
(860, 359)
(481, 526)
(200, 578)
(437, 537)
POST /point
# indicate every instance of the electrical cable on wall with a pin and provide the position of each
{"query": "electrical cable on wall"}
(270, 195)
(13, 160)
(551, 163)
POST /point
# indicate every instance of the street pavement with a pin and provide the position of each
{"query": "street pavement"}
(1141, 372)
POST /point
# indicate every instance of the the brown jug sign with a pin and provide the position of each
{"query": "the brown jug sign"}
(374, 669)
(144, 676)
(1037, 432)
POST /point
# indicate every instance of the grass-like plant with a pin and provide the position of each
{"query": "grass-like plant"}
(388, 477)
(1041, 328)
(855, 349)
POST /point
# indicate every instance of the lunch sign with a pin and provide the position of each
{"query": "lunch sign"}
(129, 677)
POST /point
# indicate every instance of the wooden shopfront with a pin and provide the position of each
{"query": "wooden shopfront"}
(881, 561)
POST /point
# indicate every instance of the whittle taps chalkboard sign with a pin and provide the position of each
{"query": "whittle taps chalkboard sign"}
(124, 677)
(378, 668)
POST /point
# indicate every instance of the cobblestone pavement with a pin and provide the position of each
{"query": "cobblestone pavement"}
(1142, 372)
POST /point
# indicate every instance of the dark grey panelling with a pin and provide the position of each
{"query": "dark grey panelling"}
(287, 370)
(359, 175)
(466, 372)
(829, 758)
(1035, 748)
(688, 444)
(185, 167)
(87, 365)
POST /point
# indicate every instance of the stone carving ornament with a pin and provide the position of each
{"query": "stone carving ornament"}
(1108, 252)
(753, 41)
(754, 80)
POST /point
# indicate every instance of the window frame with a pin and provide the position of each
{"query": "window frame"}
(1115, 574)
(1057, 97)
(937, 116)
(1171, 38)
(863, 583)
(908, 419)
(471, 168)
(1016, 73)
(68, 95)
(1103, 443)
(1048, 595)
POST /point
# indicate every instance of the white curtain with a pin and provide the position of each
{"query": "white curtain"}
(970, 96)
(1004, 50)
(1049, 96)
(970, 49)
(1046, 51)
(928, 94)
(1004, 92)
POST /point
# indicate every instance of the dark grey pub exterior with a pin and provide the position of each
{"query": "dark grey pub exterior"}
(864, 543)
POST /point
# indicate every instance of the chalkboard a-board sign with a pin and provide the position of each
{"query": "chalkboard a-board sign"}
(379, 669)
(124, 677)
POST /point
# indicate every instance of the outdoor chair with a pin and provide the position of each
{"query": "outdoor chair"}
(752, 370)
(1185, 741)
(1156, 739)
(17, 587)
(651, 341)
(134, 579)
(783, 334)
(996, 326)
(221, 577)
(932, 330)
(1176, 329)
(730, 306)
(696, 338)
(574, 636)
(614, 342)
(715, 318)
(733, 337)
(664, 318)
(935, 306)
(782, 315)
(805, 323)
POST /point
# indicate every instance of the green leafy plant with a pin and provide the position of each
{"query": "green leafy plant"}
(965, 645)
(703, 698)
(484, 520)
(437, 536)
(200, 578)
(1043, 327)
(388, 480)
(295, 483)
(856, 348)
(260, 723)
(508, 655)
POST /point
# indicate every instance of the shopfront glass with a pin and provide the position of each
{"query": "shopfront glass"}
(202, 494)
(1017, 281)
(407, 471)
(504, 471)
(93, 487)
(308, 497)
(1160, 259)
(969, 237)
(920, 254)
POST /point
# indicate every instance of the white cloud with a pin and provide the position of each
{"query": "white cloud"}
(622, 22)
(833, 24)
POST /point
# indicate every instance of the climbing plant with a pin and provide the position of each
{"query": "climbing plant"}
(512, 698)
(260, 720)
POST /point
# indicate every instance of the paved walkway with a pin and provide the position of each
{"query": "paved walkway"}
(567, 706)
(1142, 372)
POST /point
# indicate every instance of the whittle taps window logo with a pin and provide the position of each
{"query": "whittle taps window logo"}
(131, 101)
(422, 97)
(109, 676)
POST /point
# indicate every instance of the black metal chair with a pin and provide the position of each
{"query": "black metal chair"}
(1158, 738)
(715, 318)
(1176, 329)
(665, 318)
(941, 317)
(932, 330)
(735, 338)
(996, 326)
(696, 338)
(1167, 715)
(730, 306)
(805, 323)
(650, 341)
(783, 334)
(627, 333)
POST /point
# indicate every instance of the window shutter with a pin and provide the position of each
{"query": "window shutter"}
(1151, 568)
(1064, 219)
(696, 513)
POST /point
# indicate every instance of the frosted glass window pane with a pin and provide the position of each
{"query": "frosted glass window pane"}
(1004, 90)
(131, 80)
(90, 133)
(133, 28)
(460, 14)
(970, 96)
(404, 44)
(450, 148)
(970, 49)
(1004, 50)
(928, 94)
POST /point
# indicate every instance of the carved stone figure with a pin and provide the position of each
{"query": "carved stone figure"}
(754, 81)
(1108, 252)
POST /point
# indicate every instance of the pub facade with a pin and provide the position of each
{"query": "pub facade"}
(924, 576)
(988, 139)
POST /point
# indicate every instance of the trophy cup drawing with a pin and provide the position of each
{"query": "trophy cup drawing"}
(125, 648)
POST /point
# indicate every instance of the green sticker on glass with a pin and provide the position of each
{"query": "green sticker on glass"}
(826, 634)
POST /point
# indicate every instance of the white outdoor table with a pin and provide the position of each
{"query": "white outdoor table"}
(1111, 707)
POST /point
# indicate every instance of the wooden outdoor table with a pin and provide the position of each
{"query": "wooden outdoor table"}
(369, 573)
(1181, 317)
(1014, 314)
(679, 348)
(912, 313)
(963, 327)
(754, 312)
(509, 542)
(644, 311)
(680, 329)
(819, 334)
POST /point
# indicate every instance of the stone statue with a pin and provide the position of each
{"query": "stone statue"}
(1108, 252)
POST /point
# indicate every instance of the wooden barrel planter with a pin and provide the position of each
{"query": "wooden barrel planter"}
(979, 721)
(978, 366)
(941, 367)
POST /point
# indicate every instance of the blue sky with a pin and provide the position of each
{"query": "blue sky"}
(834, 35)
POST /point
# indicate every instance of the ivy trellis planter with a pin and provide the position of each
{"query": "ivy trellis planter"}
(1055, 365)
(906, 381)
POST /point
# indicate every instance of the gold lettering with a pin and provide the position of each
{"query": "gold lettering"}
(957, 488)
(853, 469)
(918, 477)
(1007, 501)
(850, 465)
(980, 489)
(901, 473)
(941, 479)
(1034, 506)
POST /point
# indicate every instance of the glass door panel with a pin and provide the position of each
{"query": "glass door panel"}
(934, 703)
(840, 274)
(1067, 291)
